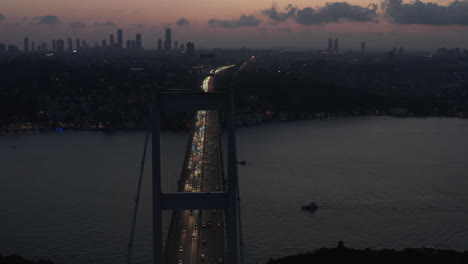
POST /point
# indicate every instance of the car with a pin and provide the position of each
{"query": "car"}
(203, 224)
(183, 229)
(203, 242)
(220, 260)
(209, 223)
(181, 249)
(202, 256)
(180, 261)
(218, 224)
(195, 227)
(194, 236)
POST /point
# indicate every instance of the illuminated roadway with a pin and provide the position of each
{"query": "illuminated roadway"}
(198, 236)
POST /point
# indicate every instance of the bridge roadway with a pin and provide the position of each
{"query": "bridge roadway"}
(198, 236)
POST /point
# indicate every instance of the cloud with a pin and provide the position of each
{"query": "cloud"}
(77, 25)
(48, 20)
(105, 24)
(335, 13)
(242, 21)
(417, 12)
(2, 17)
(276, 16)
(182, 22)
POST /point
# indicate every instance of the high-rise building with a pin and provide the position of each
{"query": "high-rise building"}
(190, 48)
(78, 44)
(330, 45)
(60, 45)
(54, 45)
(119, 38)
(159, 44)
(2, 48)
(26, 45)
(104, 44)
(176, 44)
(336, 47)
(83, 44)
(133, 45)
(111, 41)
(182, 47)
(138, 42)
(129, 44)
(70, 44)
(44, 46)
(33, 46)
(168, 40)
(363, 47)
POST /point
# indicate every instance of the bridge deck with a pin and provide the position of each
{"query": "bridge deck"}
(198, 236)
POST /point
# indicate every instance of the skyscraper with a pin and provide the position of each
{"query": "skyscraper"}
(54, 45)
(330, 45)
(111, 41)
(168, 40)
(70, 44)
(190, 48)
(26, 45)
(119, 39)
(363, 47)
(78, 44)
(138, 44)
(60, 45)
(336, 47)
(129, 44)
(159, 44)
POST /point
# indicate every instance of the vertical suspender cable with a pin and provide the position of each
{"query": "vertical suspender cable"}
(140, 180)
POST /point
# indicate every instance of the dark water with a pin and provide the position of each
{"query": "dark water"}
(379, 182)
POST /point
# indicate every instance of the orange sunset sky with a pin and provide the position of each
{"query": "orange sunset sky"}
(94, 20)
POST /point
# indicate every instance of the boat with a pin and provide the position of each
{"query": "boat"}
(310, 207)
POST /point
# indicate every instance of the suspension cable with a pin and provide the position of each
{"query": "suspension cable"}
(140, 180)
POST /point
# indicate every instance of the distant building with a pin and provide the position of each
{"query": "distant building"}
(2, 48)
(176, 44)
(159, 44)
(33, 46)
(119, 38)
(12, 49)
(129, 45)
(182, 47)
(44, 46)
(336, 46)
(104, 43)
(168, 40)
(26, 45)
(133, 45)
(138, 43)
(401, 51)
(111, 41)
(54, 45)
(84, 45)
(60, 45)
(190, 48)
(363, 47)
(78, 44)
(330, 45)
(70, 44)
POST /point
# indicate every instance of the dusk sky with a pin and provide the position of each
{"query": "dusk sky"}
(293, 24)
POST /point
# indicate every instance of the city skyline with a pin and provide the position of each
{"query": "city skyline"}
(297, 25)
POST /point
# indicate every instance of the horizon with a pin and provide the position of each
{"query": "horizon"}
(297, 25)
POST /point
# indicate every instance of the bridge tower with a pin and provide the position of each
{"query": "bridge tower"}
(227, 201)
